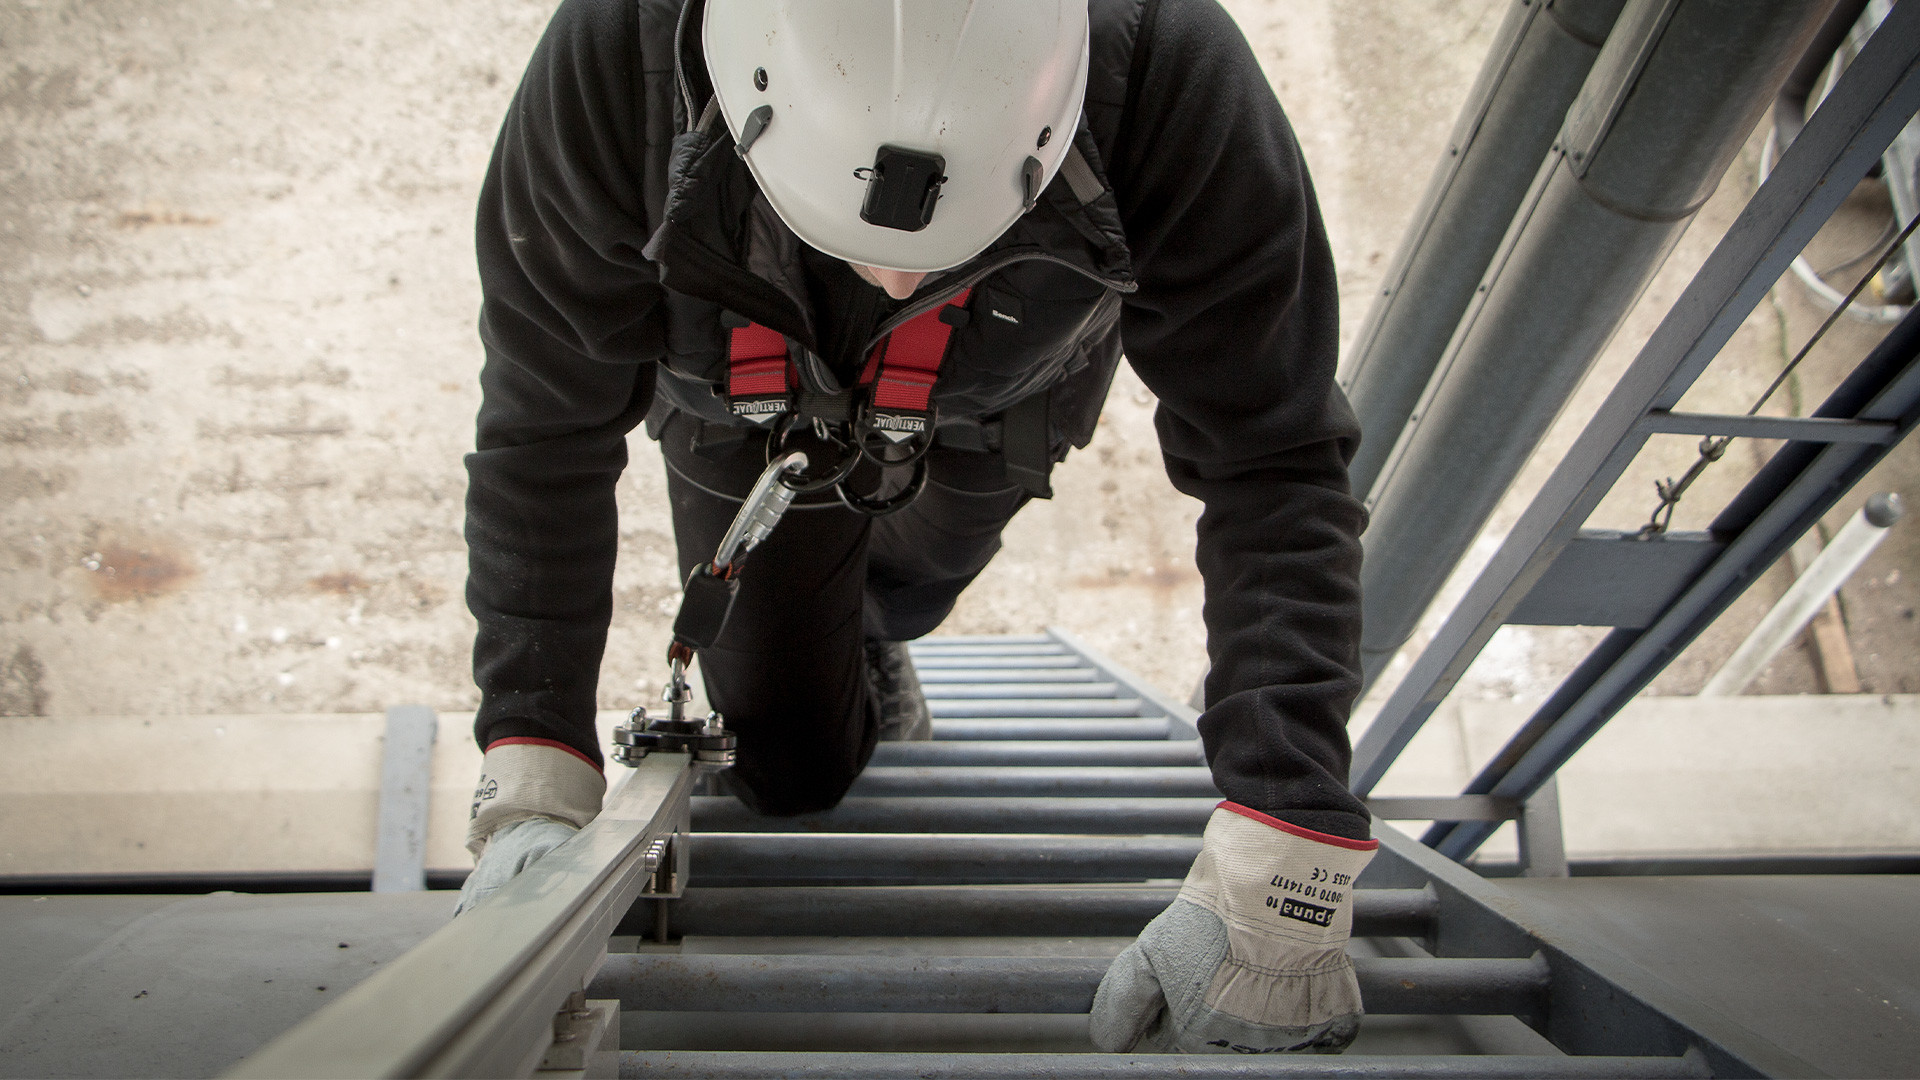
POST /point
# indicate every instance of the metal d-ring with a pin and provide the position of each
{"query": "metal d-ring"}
(840, 470)
(882, 507)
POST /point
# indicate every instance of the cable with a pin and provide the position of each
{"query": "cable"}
(1714, 447)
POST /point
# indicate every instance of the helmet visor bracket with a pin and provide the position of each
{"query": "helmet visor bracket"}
(902, 189)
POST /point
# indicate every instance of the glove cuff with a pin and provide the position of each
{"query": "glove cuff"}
(523, 778)
(1270, 878)
(1296, 830)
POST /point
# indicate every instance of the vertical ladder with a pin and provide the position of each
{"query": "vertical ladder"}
(953, 917)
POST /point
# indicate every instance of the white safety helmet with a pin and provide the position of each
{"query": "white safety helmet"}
(900, 134)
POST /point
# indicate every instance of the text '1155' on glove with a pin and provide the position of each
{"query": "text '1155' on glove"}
(1251, 957)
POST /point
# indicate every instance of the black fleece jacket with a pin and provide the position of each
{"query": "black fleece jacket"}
(1233, 326)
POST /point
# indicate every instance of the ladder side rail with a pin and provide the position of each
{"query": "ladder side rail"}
(478, 996)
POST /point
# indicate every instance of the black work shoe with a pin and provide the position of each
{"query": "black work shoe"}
(896, 690)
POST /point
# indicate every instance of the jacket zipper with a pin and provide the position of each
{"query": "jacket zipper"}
(921, 307)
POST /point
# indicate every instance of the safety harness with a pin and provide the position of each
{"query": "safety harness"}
(763, 384)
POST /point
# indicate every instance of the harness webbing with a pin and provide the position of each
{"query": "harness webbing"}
(906, 363)
(756, 368)
(901, 370)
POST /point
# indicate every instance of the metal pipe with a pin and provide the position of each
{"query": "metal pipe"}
(1050, 688)
(1539, 59)
(1676, 89)
(940, 676)
(958, 910)
(1038, 780)
(946, 662)
(857, 814)
(1029, 708)
(749, 858)
(929, 647)
(1836, 562)
(702, 982)
(766, 1065)
(1083, 814)
(1133, 752)
(997, 728)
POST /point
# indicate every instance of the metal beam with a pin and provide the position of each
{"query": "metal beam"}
(1609, 578)
(1803, 428)
(406, 770)
(701, 982)
(1872, 101)
(1795, 492)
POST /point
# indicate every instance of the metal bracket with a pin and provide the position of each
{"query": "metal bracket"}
(586, 1040)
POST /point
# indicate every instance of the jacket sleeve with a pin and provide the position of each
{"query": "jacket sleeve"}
(1235, 329)
(570, 323)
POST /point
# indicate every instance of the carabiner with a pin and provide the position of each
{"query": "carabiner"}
(759, 513)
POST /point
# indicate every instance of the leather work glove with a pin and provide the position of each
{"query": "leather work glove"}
(510, 850)
(533, 795)
(1251, 956)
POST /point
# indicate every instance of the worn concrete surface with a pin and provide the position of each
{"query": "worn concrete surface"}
(237, 365)
(237, 355)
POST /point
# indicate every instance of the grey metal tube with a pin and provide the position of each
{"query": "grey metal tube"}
(1677, 88)
(1019, 688)
(945, 662)
(1538, 61)
(991, 911)
(1104, 816)
(750, 858)
(766, 1065)
(1038, 780)
(1029, 708)
(946, 676)
(1013, 984)
(991, 728)
(1128, 752)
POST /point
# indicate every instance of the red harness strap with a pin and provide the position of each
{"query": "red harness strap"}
(901, 370)
(757, 373)
(906, 364)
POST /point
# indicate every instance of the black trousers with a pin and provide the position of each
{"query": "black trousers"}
(789, 670)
